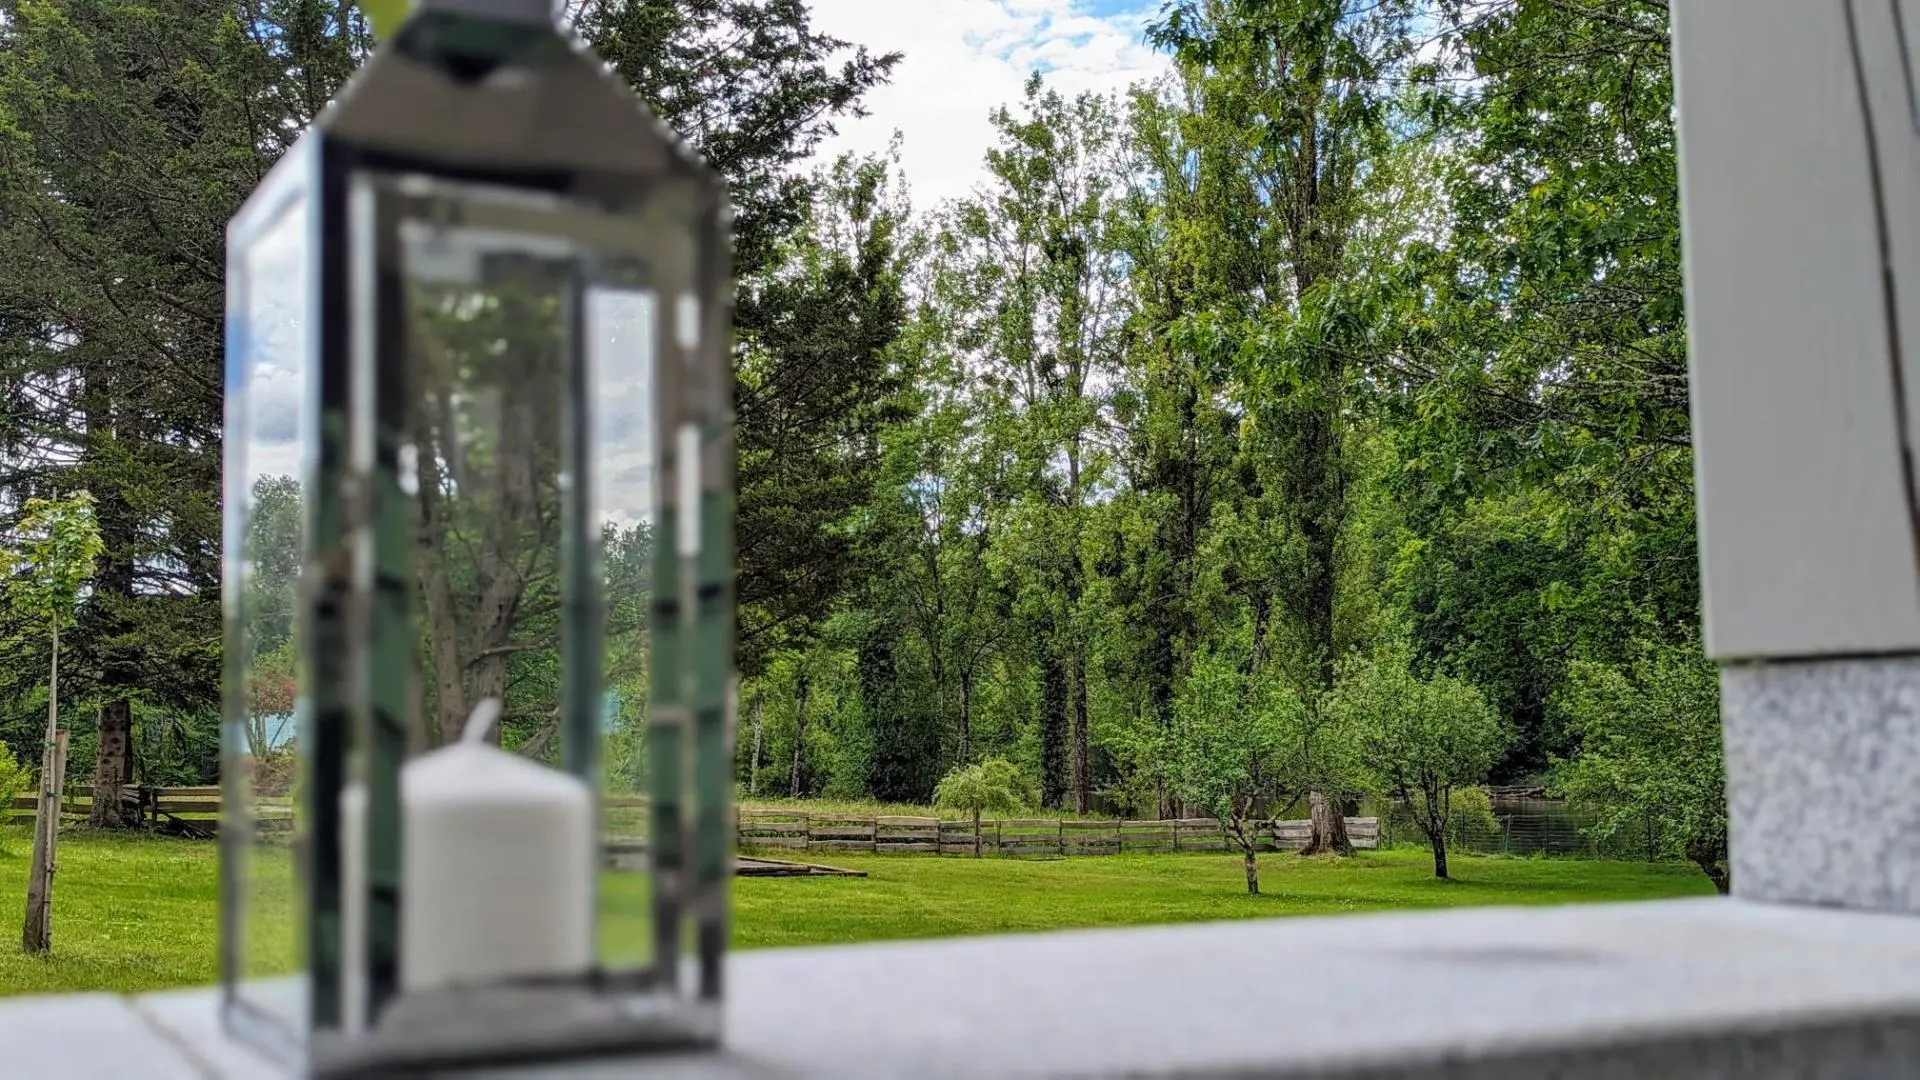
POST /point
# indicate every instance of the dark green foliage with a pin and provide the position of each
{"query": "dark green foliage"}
(903, 754)
(1483, 596)
(755, 89)
(128, 135)
(816, 389)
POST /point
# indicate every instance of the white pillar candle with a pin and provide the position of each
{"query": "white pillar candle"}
(497, 868)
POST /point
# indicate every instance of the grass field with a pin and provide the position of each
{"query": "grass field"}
(138, 913)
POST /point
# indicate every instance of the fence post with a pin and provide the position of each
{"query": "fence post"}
(1119, 837)
(1176, 836)
(875, 822)
(996, 837)
(806, 832)
(1060, 833)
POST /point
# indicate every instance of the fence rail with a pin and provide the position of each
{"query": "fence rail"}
(193, 803)
(800, 830)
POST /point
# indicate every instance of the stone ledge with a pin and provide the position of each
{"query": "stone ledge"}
(1694, 988)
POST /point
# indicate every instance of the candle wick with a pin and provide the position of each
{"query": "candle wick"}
(480, 723)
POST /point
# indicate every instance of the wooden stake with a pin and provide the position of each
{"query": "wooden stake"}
(37, 935)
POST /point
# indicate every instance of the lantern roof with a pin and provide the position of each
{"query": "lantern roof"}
(499, 97)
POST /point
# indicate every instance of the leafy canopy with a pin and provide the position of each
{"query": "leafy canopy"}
(62, 540)
(1413, 737)
(1239, 736)
(1650, 750)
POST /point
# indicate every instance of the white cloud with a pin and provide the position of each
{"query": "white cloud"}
(966, 57)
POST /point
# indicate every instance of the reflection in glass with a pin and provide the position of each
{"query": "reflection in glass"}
(487, 377)
(270, 396)
(488, 314)
(619, 329)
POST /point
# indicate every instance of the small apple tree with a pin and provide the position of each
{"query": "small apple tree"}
(1241, 747)
(58, 543)
(1415, 739)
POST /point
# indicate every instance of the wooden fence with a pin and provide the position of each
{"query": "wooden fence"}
(797, 830)
(77, 801)
(800, 830)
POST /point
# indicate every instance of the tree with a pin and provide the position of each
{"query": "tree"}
(1177, 425)
(130, 134)
(1650, 750)
(990, 786)
(903, 751)
(61, 542)
(1538, 338)
(755, 88)
(1290, 108)
(1416, 739)
(1033, 270)
(1241, 749)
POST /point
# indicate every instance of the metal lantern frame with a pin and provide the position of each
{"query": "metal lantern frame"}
(497, 124)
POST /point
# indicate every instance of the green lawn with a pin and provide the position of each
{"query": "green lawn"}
(137, 913)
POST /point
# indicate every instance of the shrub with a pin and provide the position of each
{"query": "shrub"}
(14, 779)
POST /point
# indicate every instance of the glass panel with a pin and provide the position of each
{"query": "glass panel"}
(620, 328)
(272, 401)
(516, 487)
(489, 313)
(503, 886)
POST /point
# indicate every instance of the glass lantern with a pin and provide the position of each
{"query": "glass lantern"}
(479, 571)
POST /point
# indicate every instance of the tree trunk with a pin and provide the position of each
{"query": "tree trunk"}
(109, 627)
(112, 766)
(1055, 765)
(1253, 870)
(53, 688)
(966, 716)
(1082, 763)
(1709, 853)
(1329, 827)
(753, 771)
(799, 735)
(1437, 837)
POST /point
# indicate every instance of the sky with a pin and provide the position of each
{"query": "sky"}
(966, 57)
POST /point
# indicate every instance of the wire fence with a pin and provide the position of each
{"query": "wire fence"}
(1527, 825)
